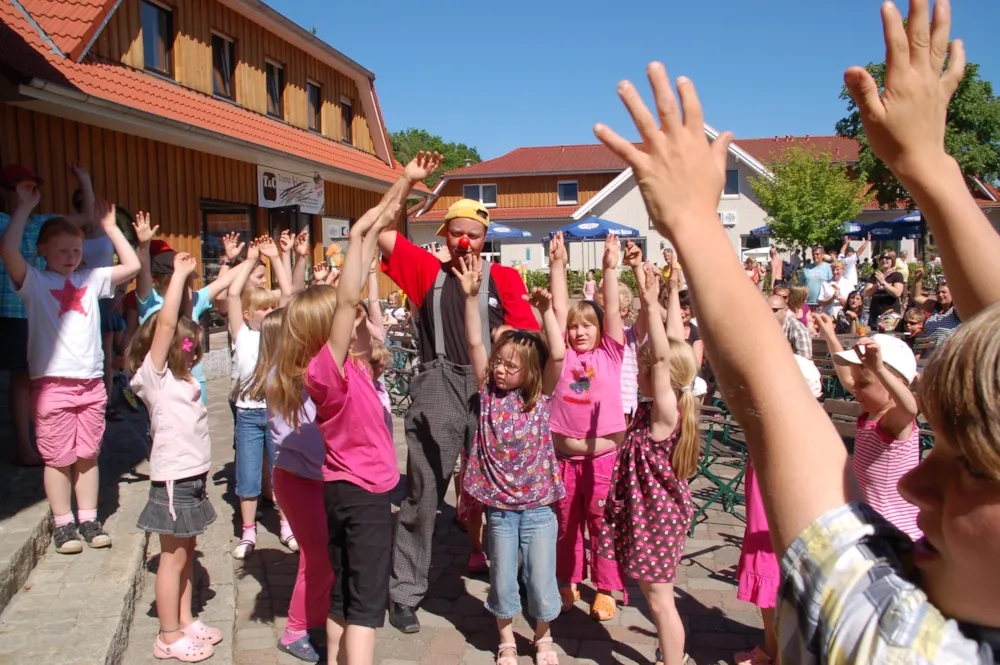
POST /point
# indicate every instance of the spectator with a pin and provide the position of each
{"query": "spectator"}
(850, 258)
(691, 333)
(589, 286)
(901, 266)
(885, 287)
(777, 267)
(797, 306)
(781, 289)
(753, 272)
(833, 295)
(913, 326)
(796, 260)
(942, 319)
(849, 319)
(795, 331)
(814, 274)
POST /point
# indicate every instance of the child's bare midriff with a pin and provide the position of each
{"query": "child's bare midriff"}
(568, 445)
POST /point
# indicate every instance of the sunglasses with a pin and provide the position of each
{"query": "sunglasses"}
(778, 309)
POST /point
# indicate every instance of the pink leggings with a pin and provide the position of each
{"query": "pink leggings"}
(301, 501)
(587, 480)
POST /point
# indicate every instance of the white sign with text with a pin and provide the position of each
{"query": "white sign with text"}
(277, 189)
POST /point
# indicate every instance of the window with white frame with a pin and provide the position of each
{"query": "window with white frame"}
(567, 191)
(485, 194)
(732, 183)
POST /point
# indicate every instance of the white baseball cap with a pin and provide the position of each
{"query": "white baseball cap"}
(895, 354)
(811, 374)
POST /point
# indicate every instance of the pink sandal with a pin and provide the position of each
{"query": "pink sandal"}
(507, 660)
(545, 657)
(185, 650)
(202, 633)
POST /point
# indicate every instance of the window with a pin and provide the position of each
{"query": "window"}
(347, 117)
(157, 38)
(314, 98)
(485, 194)
(275, 90)
(218, 220)
(223, 61)
(567, 192)
(732, 183)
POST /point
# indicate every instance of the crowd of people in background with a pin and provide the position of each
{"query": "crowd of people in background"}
(572, 421)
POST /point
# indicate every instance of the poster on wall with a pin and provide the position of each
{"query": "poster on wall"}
(336, 231)
(276, 189)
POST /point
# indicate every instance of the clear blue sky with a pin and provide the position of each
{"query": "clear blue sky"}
(500, 75)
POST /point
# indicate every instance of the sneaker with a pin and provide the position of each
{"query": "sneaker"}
(94, 534)
(67, 539)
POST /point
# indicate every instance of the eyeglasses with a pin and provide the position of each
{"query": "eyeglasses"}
(509, 367)
(886, 258)
(778, 309)
(912, 323)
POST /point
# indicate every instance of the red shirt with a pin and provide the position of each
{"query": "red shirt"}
(415, 270)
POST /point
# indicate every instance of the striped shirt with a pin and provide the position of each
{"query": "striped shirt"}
(846, 598)
(879, 463)
(942, 325)
(630, 372)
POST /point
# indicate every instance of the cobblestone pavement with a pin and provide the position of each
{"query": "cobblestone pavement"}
(254, 594)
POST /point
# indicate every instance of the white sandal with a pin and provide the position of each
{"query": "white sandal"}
(545, 657)
(507, 660)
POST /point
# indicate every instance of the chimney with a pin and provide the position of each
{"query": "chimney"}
(807, 137)
(468, 162)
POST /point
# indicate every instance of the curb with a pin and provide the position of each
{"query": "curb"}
(32, 528)
(134, 560)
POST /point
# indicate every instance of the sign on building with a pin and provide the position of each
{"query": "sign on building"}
(277, 189)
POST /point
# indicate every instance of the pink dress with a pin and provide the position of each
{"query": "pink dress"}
(758, 572)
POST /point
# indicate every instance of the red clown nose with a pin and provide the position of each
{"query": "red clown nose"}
(464, 242)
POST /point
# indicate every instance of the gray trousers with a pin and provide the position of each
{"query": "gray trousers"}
(440, 422)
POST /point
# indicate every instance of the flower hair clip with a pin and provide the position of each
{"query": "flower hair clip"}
(187, 345)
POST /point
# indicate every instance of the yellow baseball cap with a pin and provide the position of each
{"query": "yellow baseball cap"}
(466, 209)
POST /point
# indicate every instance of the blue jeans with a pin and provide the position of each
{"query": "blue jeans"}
(533, 533)
(253, 438)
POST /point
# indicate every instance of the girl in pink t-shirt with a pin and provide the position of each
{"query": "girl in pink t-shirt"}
(587, 425)
(360, 466)
(160, 358)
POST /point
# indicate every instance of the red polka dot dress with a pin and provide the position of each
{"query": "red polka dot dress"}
(649, 510)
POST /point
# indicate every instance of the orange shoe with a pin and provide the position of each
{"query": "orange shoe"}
(603, 608)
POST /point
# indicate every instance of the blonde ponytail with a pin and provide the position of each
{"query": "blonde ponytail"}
(683, 369)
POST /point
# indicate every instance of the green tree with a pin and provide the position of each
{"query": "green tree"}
(409, 142)
(972, 136)
(808, 198)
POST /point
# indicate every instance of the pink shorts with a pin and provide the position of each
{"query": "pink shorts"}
(69, 418)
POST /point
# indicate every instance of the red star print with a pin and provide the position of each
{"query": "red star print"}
(70, 298)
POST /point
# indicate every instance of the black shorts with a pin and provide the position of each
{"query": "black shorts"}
(360, 548)
(14, 333)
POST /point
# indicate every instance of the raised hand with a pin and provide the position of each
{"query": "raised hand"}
(253, 251)
(870, 354)
(680, 174)
(333, 277)
(28, 195)
(906, 124)
(232, 245)
(649, 286)
(423, 165)
(267, 248)
(540, 299)
(302, 243)
(320, 272)
(80, 172)
(612, 251)
(285, 241)
(825, 325)
(184, 264)
(143, 231)
(105, 212)
(633, 255)
(469, 274)
(557, 249)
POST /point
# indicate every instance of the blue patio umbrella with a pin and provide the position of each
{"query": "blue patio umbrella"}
(765, 231)
(499, 232)
(906, 227)
(595, 227)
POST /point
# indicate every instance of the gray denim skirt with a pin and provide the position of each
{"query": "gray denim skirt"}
(192, 511)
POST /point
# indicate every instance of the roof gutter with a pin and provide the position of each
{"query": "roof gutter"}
(58, 94)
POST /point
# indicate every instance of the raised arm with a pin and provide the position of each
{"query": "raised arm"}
(166, 318)
(235, 298)
(420, 168)
(301, 257)
(557, 279)
(864, 246)
(541, 299)
(375, 319)
(145, 234)
(664, 399)
(633, 259)
(681, 177)
(827, 331)
(28, 197)
(470, 276)
(270, 250)
(128, 263)
(675, 324)
(613, 324)
(906, 129)
(87, 214)
(360, 251)
(286, 243)
(917, 296)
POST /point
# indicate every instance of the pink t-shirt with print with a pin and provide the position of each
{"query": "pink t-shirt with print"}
(349, 414)
(588, 398)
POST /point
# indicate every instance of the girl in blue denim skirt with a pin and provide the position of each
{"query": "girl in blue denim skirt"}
(512, 468)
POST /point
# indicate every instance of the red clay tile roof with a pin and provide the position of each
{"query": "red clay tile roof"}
(138, 90)
(496, 214)
(546, 159)
(69, 23)
(765, 150)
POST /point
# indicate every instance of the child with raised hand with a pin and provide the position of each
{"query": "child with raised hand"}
(649, 509)
(66, 358)
(360, 465)
(512, 468)
(878, 372)
(849, 592)
(587, 424)
(247, 309)
(160, 358)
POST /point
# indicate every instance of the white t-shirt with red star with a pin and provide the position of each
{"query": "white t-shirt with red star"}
(64, 322)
